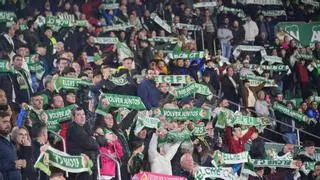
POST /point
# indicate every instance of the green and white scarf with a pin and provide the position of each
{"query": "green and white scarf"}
(274, 13)
(119, 81)
(117, 27)
(116, 100)
(186, 55)
(275, 68)
(190, 27)
(271, 59)
(185, 114)
(311, 2)
(275, 163)
(6, 16)
(240, 48)
(70, 83)
(204, 4)
(160, 22)
(109, 6)
(172, 40)
(178, 136)
(55, 116)
(123, 51)
(172, 79)
(190, 89)
(257, 80)
(149, 122)
(227, 158)
(240, 12)
(199, 130)
(211, 172)
(264, 2)
(291, 113)
(106, 40)
(63, 161)
(5, 66)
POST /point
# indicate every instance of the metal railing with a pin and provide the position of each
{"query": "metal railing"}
(113, 159)
(63, 144)
(278, 121)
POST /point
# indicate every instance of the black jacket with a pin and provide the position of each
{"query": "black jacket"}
(229, 91)
(25, 152)
(80, 141)
(7, 80)
(257, 150)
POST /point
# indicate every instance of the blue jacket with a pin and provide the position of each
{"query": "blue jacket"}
(8, 156)
(149, 94)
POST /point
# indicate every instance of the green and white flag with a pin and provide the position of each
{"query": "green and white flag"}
(123, 51)
(160, 22)
(117, 27)
(106, 40)
(305, 33)
(190, 27)
(185, 114)
(257, 80)
(274, 13)
(130, 102)
(311, 2)
(63, 161)
(186, 55)
(55, 116)
(109, 6)
(5, 66)
(307, 167)
(264, 2)
(70, 83)
(172, 40)
(172, 79)
(274, 163)
(291, 113)
(204, 4)
(148, 122)
(6, 16)
(215, 172)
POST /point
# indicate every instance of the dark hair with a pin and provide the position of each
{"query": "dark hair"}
(308, 143)
(4, 114)
(37, 129)
(101, 123)
(15, 56)
(136, 144)
(236, 126)
(74, 110)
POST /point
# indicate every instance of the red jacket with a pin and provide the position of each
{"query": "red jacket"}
(237, 146)
(302, 72)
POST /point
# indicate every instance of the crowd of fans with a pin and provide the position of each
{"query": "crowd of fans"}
(34, 55)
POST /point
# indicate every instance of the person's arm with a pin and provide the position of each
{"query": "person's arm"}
(152, 151)
(172, 151)
(247, 135)
(228, 134)
(6, 165)
(128, 120)
(84, 140)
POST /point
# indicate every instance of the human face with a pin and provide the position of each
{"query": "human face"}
(230, 72)
(108, 119)
(58, 102)
(288, 148)
(37, 102)
(71, 98)
(279, 97)
(210, 129)
(5, 126)
(187, 163)
(62, 64)
(180, 63)
(142, 134)
(304, 106)
(237, 132)
(3, 98)
(163, 87)
(76, 67)
(150, 74)
(18, 62)
(314, 105)
(22, 136)
(310, 150)
(127, 64)
(79, 117)
(22, 51)
(317, 170)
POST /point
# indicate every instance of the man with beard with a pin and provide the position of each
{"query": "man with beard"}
(9, 164)
(148, 91)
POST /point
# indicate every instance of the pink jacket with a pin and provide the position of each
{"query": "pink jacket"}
(108, 167)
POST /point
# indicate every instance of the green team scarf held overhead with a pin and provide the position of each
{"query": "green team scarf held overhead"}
(70, 83)
(178, 136)
(63, 161)
(148, 122)
(6, 16)
(291, 113)
(190, 89)
(106, 40)
(55, 116)
(5, 66)
(186, 55)
(226, 158)
(183, 114)
(172, 79)
(257, 80)
(116, 100)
